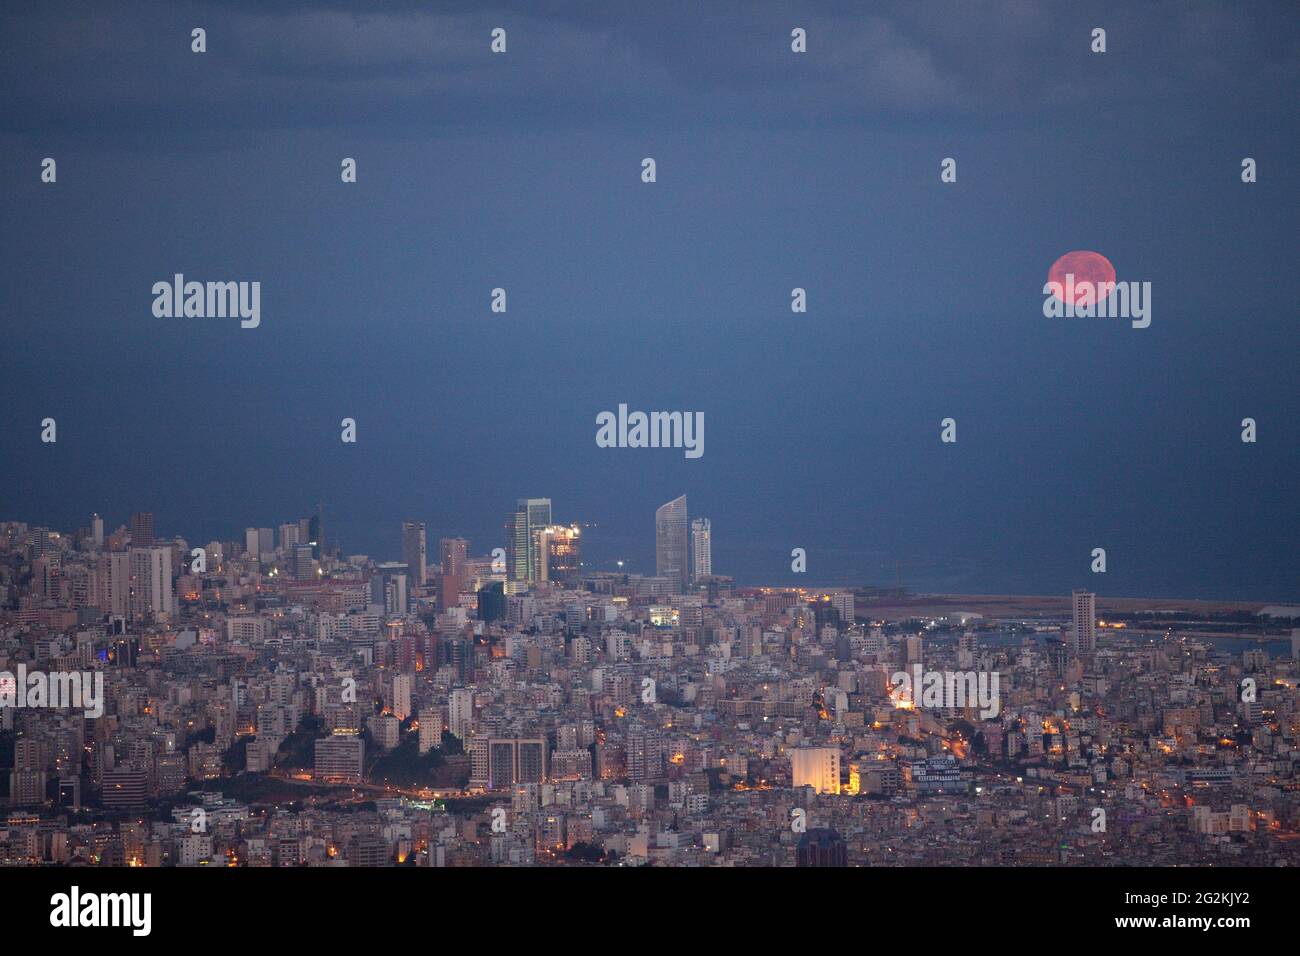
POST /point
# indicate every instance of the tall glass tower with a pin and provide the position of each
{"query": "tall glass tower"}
(530, 516)
(670, 543)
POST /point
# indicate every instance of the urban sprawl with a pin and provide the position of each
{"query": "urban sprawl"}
(272, 701)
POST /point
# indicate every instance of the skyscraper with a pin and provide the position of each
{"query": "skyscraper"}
(142, 529)
(97, 529)
(389, 585)
(1083, 636)
(559, 553)
(670, 543)
(114, 583)
(701, 550)
(316, 531)
(517, 546)
(539, 511)
(453, 554)
(302, 563)
(414, 551)
(151, 583)
(529, 517)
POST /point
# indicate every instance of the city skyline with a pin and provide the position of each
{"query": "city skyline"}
(645, 560)
(820, 171)
(356, 512)
(612, 718)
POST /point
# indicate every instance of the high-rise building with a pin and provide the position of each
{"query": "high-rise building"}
(46, 577)
(644, 753)
(415, 551)
(504, 762)
(517, 546)
(389, 587)
(844, 604)
(151, 583)
(113, 583)
(43, 542)
(670, 543)
(492, 602)
(302, 563)
(456, 653)
(701, 550)
(460, 711)
(340, 758)
(914, 649)
(430, 729)
(454, 556)
(142, 529)
(559, 553)
(1083, 635)
(401, 696)
(125, 788)
(316, 532)
(539, 511)
(289, 537)
(97, 530)
(529, 517)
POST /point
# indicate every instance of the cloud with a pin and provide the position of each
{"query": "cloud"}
(80, 68)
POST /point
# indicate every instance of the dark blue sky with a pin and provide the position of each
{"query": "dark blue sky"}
(775, 170)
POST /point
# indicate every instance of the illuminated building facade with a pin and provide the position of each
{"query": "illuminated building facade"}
(559, 553)
(816, 767)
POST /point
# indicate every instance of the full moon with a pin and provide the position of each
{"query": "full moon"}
(1089, 269)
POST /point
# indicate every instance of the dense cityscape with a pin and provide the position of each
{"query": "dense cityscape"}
(273, 701)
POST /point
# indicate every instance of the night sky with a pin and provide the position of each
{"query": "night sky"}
(775, 170)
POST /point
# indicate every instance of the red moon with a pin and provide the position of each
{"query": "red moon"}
(1087, 267)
